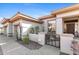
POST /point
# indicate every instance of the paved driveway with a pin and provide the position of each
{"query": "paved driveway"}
(9, 46)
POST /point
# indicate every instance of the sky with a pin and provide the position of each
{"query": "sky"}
(35, 10)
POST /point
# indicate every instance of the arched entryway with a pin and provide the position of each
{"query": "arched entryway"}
(17, 31)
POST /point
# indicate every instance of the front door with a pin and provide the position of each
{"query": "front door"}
(70, 28)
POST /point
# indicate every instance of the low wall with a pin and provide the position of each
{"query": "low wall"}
(33, 37)
(39, 38)
(65, 43)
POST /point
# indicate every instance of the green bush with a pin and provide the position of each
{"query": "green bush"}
(26, 39)
(37, 29)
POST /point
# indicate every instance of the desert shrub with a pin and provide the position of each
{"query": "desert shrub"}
(26, 39)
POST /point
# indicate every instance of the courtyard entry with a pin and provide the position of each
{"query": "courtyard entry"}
(71, 28)
(51, 37)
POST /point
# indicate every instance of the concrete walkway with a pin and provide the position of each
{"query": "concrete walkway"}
(9, 46)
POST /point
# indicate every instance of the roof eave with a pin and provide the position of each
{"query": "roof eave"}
(67, 9)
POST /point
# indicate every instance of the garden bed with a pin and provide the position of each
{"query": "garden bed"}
(32, 45)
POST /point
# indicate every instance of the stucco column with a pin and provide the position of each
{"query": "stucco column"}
(9, 30)
(13, 30)
(4, 30)
(78, 25)
(19, 31)
(59, 26)
(46, 26)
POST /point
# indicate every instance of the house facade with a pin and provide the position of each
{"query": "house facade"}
(65, 23)
(22, 23)
(65, 20)
(7, 27)
(19, 25)
(61, 21)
